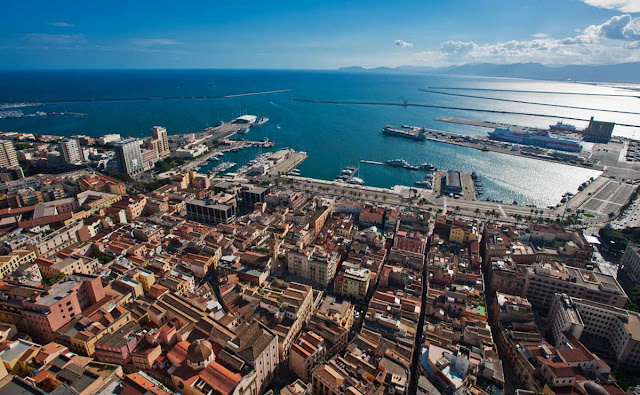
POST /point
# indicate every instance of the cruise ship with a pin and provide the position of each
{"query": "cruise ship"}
(563, 127)
(540, 139)
(408, 134)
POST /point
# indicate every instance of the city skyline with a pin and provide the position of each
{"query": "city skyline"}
(317, 35)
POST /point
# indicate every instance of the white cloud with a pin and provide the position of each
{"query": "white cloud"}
(457, 48)
(540, 35)
(61, 24)
(615, 40)
(154, 42)
(54, 39)
(620, 5)
(402, 43)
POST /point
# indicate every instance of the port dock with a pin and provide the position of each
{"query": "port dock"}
(487, 124)
(372, 162)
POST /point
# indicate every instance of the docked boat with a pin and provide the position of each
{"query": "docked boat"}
(539, 139)
(224, 166)
(563, 127)
(410, 167)
(397, 163)
(474, 175)
(426, 166)
(424, 183)
(261, 121)
(243, 130)
(408, 134)
(347, 172)
(356, 181)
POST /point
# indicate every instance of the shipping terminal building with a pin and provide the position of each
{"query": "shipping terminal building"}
(452, 182)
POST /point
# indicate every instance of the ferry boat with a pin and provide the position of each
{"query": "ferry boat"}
(563, 127)
(539, 139)
(397, 163)
(408, 134)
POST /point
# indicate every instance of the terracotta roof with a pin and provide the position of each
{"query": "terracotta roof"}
(199, 351)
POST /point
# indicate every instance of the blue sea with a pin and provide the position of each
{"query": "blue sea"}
(334, 136)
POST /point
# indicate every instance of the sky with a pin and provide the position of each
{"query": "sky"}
(314, 34)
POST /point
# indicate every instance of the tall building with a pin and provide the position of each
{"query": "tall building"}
(160, 134)
(71, 151)
(630, 263)
(616, 330)
(8, 157)
(598, 131)
(129, 156)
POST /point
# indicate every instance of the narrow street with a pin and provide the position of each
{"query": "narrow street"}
(417, 345)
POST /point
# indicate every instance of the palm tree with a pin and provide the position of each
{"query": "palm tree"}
(477, 212)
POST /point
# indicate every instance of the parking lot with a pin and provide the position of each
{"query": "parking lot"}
(608, 199)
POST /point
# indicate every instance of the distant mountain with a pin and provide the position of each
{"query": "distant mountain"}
(621, 72)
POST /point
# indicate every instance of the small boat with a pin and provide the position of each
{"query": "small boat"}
(474, 175)
(347, 172)
(352, 168)
(426, 166)
(261, 121)
(356, 181)
(424, 183)
(278, 126)
(243, 130)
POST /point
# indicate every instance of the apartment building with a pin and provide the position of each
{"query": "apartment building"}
(316, 264)
(544, 279)
(49, 245)
(306, 353)
(9, 263)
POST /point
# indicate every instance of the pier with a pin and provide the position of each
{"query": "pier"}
(484, 110)
(257, 93)
(372, 162)
(525, 91)
(527, 102)
(116, 99)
